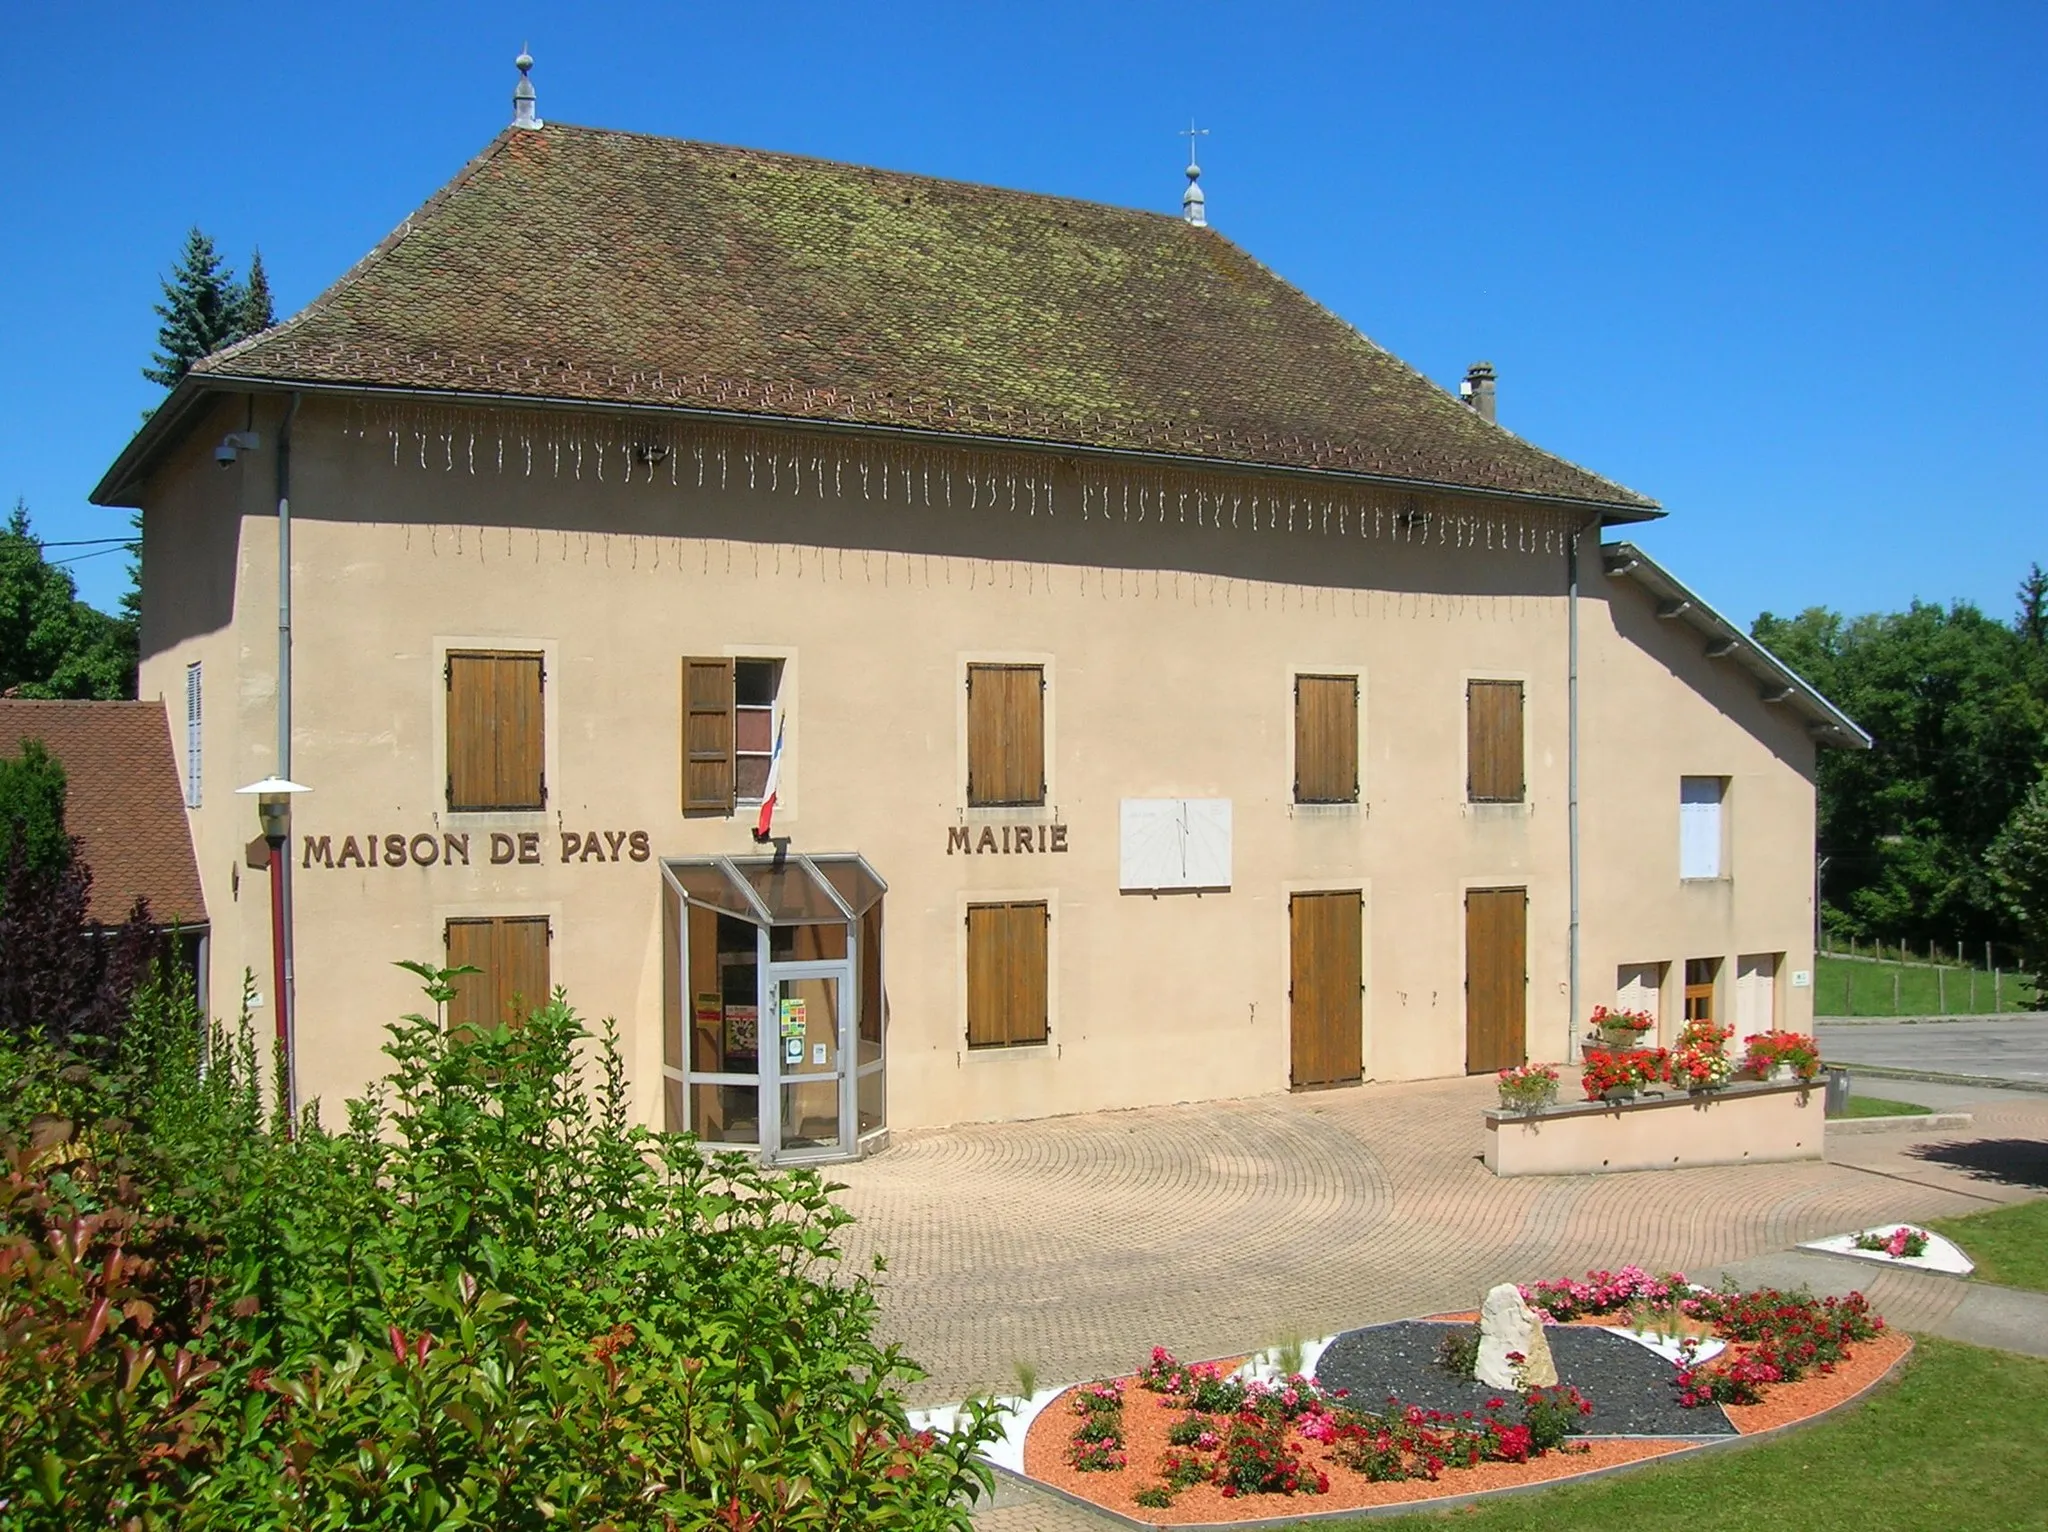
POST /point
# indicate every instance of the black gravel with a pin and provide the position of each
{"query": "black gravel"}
(1630, 1385)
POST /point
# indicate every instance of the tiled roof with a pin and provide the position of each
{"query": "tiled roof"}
(123, 801)
(578, 264)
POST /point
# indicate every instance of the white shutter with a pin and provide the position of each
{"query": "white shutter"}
(193, 710)
(1173, 843)
(1639, 987)
(1756, 986)
(1699, 827)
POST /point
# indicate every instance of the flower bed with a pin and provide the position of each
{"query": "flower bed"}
(1202, 1446)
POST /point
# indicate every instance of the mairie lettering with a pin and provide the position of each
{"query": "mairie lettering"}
(1005, 840)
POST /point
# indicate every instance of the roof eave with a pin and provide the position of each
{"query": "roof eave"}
(1778, 682)
(139, 456)
(164, 428)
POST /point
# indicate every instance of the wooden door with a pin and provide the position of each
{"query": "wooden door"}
(1328, 1012)
(1496, 978)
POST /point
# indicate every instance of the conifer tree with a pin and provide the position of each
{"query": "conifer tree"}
(254, 314)
(2032, 622)
(201, 311)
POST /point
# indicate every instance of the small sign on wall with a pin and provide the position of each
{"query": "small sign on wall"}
(1801, 978)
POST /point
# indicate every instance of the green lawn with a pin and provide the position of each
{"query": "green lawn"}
(1857, 987)
(2009, 1245)
(1879, 1106)
(1955, 1445)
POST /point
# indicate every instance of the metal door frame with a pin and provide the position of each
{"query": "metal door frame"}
(845, 1055)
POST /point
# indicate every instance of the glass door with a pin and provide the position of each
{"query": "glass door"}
(808, 1059)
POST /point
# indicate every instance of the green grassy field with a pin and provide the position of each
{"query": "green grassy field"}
(1879, 1106)
(2009, 1244)
(1858, 987)
(1955, 1445)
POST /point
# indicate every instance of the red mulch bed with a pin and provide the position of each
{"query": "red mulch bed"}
(1147, 1417)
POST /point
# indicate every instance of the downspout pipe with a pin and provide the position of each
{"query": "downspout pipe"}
(1571, 708)
(287, 993)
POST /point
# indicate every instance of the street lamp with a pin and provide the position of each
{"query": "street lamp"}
(273, 797)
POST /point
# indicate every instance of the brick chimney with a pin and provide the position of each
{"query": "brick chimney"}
(1477, 389)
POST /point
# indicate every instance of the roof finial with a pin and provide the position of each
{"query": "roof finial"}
(523, 115)
(1193, 205)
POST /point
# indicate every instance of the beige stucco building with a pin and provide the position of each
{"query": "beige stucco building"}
(1174, 693)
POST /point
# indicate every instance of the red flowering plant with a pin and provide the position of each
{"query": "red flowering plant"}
(1098, 1442)
(1764, 1051)
(1774, 1337)
(1700, 1061)
(1904, 1242)
(1606, 1292)
(1257, 1459)
(1528, 1087)
(1622, 1026)
(1630, 1070)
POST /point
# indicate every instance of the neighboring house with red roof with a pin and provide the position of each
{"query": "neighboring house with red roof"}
(124, 805)
(1214, 703)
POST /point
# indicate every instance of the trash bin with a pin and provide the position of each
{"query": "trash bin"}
(1838, 1093)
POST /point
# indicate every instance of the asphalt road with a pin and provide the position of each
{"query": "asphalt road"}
(2002, 1048)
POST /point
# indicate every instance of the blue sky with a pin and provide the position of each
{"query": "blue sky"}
(1779, 266)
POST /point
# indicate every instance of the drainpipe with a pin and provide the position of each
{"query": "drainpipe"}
(287, 993)
(1571, 769)
(1571, 569)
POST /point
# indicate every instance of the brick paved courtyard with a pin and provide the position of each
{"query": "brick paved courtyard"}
(1075, 1243)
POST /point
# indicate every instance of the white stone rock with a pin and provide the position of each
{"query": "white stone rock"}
(1509, 1327)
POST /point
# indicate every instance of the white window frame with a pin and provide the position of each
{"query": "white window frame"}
(195, 707)
(1702, 829)
(780, 667)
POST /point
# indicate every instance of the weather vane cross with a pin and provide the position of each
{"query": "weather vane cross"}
(1193, 205)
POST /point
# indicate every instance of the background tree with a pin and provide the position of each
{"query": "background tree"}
(201, 311)
(53, 645)
(2032, 622)
(32, 809)
(1956, 705)
(2018, 861)
(254, 314)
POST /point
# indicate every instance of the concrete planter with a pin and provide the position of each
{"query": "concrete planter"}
(1748, 1122)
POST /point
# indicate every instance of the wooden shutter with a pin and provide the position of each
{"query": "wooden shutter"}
(520, 956)
(707, 737)
(1496, 978)
(1326, 739)
(1006, 974)
(495, 756)
(1005, 734)
(511, 982)
(1325, 991)
(1493, 741)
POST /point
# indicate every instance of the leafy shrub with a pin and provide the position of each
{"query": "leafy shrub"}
(490, 1301)
(1257, 1459)
(1458, 1352)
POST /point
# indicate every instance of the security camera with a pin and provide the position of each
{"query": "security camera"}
(233, 444)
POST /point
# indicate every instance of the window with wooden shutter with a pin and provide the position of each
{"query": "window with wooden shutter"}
(1326, 739)
(708, 739)
(1005, 735)
(511, 982)
(1006, 975)
(1493, 741)
(495, 758)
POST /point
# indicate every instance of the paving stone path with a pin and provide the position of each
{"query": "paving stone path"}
(1075, 1244)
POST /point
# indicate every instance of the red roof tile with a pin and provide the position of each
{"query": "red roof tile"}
(123, 801)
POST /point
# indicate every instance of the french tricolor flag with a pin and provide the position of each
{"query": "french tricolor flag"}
(767, 819)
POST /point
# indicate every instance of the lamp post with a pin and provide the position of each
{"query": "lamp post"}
(273, 797)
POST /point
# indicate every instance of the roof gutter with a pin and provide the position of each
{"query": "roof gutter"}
(134, 458)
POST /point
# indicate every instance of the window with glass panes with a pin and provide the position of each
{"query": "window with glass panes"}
(755, 684)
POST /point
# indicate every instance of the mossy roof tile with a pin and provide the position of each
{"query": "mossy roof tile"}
(576, 263)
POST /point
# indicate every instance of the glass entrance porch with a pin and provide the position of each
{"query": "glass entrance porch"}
(774, 1016)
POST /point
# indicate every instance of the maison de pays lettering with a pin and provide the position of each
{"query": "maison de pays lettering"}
(915, 652)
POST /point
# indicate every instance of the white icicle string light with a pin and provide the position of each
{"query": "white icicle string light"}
(987, 478)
